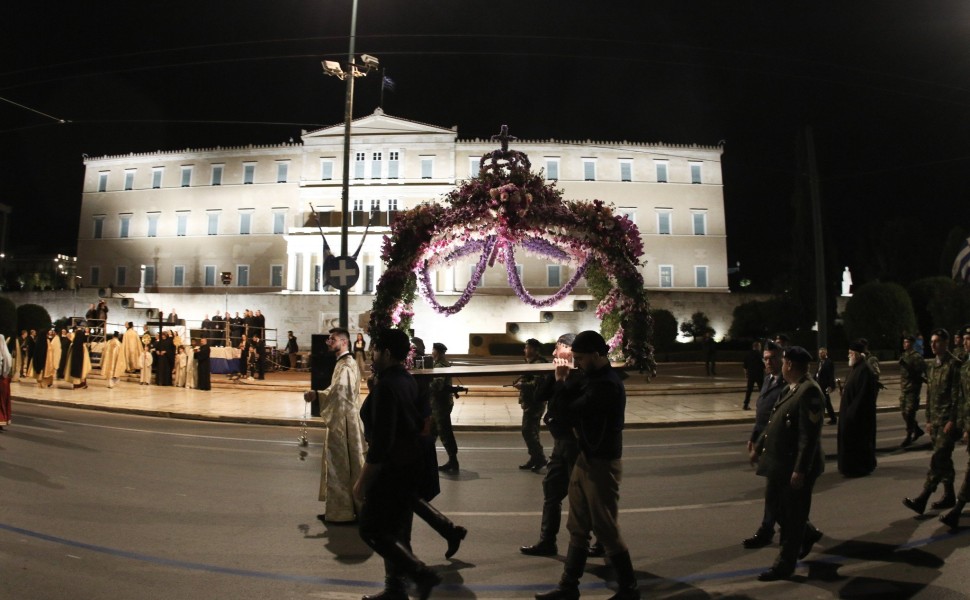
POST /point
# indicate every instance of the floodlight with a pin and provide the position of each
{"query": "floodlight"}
(331, 67)
(370, 62)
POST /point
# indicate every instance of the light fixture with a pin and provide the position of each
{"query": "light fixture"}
(331, 67)
(370, 62)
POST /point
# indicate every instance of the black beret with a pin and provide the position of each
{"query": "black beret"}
(909, 338)
(942, 333)
(857, 345)
(440, 347)
(797, 354)
(590, 342)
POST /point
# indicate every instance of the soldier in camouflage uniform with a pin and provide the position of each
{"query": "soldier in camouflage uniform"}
(952, 518)
(942, 422)
(912, 371)
(532, 408)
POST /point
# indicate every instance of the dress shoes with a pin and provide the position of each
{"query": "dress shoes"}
(540, 548)
(528, 465)
(539, 464)
(449, 467)
(759, 540)
(774, 574)
(812, 536)
(454, 540)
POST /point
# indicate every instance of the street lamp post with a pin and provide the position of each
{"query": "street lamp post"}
(332, 68)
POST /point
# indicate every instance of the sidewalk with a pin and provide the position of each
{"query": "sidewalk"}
(681, 395)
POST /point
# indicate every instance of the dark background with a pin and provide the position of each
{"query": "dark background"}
(885, 87)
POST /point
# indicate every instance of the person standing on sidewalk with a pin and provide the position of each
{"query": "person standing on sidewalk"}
(532, 408)
(912, 371)
(942, 423)
(825, 378)
(596, 413)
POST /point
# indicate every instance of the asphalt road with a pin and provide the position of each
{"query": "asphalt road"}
(97, 505)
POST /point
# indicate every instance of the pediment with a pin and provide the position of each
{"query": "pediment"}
(379, 124)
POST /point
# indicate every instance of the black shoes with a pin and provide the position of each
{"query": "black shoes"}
(759, 540)
(906, 442)
(535, 464)
(917, 504)
(774, 574)
(947, 501)
(424, 581)
(596, 550)
(812, 536)
(540, 548)
(454, 540)
(951, 519)
(745, 407)
(449, 467)
(387, 595)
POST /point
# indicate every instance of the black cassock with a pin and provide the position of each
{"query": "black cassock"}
(202, 359)
(857, 422)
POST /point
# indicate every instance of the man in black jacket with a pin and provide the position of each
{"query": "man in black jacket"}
(596, 413)
(825, 378)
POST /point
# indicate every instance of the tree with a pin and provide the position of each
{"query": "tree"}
(940, 302)
(664, 329)
(698, 325)
(32, 316)
(880, 312)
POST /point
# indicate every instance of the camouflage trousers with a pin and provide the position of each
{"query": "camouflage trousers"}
(531, 416)
(964, 495)
(941, 462)
(908, 405)
(441, 425)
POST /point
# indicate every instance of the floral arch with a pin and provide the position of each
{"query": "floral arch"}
(507, 209)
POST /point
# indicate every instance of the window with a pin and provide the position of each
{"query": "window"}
(695, 172)
(249, 173)
(186, 176)
(589, 169)
(157, 177)
(326, 169)
(217, 174)
(279, 222)
(129, 179)
(552, 169)
(369, 279)
(358, 204)
(315, 286)
(178, 276)
(699, 218)
(276, 275)
(98, 228)
(666, 276)
(121, 274)
(628, 212)
(626, 169)
(393, 162)
(242, 275)
(375, 205)
(153, 225)
(554, 276)
(213, 223)
(376, 165)
(95, 276)
(661, 171)
(474, 164)
(210, 275)
(103, 181)
(391, 205)
(427, 167)
(125, 228)
(359, 165)
(245, 222)
(282, 169)
(149, 275)
(182, 224)
(700, 276)
(663, 222)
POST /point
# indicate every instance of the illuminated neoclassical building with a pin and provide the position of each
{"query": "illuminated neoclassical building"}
(190, 215)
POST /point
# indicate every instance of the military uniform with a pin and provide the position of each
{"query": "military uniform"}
(941, 408)
(533, 407)
(442, 403)
(912, 370)
(963, 404)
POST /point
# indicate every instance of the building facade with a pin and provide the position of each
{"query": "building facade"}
(173, 222)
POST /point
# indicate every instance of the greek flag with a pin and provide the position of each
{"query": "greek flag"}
(388, 83)
(961, 266)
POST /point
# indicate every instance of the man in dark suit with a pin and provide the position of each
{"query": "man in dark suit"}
(789, 454)
(825, 378)
(771, 390)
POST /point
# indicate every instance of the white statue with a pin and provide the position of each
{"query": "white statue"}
(846, 282)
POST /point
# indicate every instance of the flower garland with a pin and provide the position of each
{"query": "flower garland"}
(506, 206)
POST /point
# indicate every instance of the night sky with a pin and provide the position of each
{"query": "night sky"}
(884, 85)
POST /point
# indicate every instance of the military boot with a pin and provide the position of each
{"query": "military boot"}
(949, 498)
(572, 571)
(627, 587)
(917, 504)
(952, 518)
